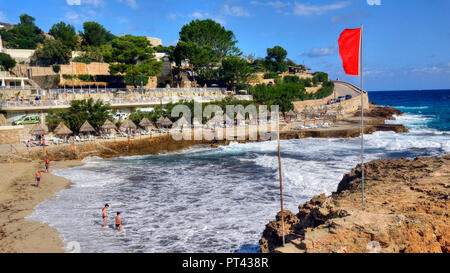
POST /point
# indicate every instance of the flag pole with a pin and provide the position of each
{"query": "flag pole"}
(281, 179)
(362, 114)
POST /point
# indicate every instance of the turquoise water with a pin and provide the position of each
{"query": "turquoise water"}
(219, 200)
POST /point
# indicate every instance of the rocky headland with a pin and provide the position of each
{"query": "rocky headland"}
(406, 210)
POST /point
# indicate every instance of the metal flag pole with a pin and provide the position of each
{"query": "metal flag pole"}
(281, 179)
(362, 114)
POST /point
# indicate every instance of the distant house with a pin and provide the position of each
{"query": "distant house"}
(5, 26)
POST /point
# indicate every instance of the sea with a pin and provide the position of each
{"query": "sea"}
(220, 199)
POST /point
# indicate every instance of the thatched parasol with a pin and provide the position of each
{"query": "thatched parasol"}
(62, 130)
(160, 121)
(167, 122)
(107, 125)
(128, 124)
(38, 130)
(87, 127)
(291, 114)
(146, 123)
(182, 122)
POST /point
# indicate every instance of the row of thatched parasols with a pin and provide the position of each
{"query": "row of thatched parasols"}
(63, 130)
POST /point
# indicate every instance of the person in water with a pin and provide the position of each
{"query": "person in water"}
(38, 178)
(118, 222)
(104, 214)
(47, 164)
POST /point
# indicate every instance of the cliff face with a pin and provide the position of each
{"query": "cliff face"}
(406, 210)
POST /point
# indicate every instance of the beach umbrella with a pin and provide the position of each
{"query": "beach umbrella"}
(38, 130)
(146, 123)
(160, 121)
(3, 83)
(22, 84)
(108, 125)
(87, 127)
(167, 122)
(62, 130)
(182, 123)
(291, 114)
(128, 124)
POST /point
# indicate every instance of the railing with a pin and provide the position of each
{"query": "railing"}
(120, 101)
(18, 87)
(94, 90)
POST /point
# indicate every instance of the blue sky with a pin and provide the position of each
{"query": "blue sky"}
(406, 42)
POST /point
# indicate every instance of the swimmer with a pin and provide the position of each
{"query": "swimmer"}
(118, 222)
(104, 215)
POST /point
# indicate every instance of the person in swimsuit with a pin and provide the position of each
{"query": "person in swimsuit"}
(104, 215)
(47, 164)
(118, 222)
(38, 178)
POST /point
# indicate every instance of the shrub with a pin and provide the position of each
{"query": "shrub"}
(271, 75)
(56, 68)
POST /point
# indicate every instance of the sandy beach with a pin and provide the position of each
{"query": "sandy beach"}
(18, 197)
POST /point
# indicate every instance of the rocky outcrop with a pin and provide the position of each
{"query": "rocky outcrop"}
(384, 112)
(406, 210)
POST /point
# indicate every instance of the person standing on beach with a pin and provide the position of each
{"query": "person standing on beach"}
(104, 215)
(118, 222)
(47, 164)
(38, 178)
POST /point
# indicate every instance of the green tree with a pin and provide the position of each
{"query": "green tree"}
(133, 55)
(90, 54)
(96, 113)
(276, 59)
(53, 52)
(201, 59)
(65, 33)
(235, 71)
(320, 77)
(95, 34)
(277, 53)
(6, 62)
(210, 34)
(24, 35)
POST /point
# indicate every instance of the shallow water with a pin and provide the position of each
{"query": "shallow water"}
(214, 200)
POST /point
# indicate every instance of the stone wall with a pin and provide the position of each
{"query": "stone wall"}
(349, 106)
(47, 82)
(13, 134)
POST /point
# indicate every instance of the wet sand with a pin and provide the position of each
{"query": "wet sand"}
(18, 197)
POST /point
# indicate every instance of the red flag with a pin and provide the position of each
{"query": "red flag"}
(349, 50)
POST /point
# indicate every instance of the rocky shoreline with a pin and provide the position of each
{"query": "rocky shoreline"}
(406, 211)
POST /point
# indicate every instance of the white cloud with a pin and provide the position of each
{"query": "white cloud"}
(235, 11)
(2, 16)
(321, 52)
(95, 3)
(198, 15)
(274, 4)
(131, 3)
(305, 10)
(435, 68)
(374, 2)
(73, 2)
